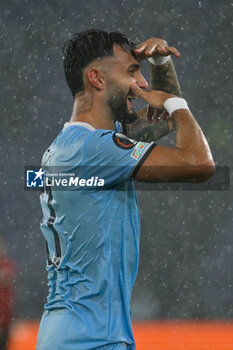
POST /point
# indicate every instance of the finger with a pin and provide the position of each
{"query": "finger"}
(140, 48)
(157, 50)
(174, 51)
(151, 50)
(150, 114)
(157, 117)
(163, 50)
(164, 115)
(137, 91)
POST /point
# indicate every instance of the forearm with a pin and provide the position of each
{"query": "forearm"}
(189, 161)
(163, 77)
(140, 130)
(190, 139)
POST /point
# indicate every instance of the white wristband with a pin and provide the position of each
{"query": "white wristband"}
(159, 61)
(174, 103)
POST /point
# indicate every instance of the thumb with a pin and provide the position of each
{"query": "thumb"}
(137, 91)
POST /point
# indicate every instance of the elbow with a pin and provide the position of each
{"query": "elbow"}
(211, 168)
(201, 166)
(204, 171)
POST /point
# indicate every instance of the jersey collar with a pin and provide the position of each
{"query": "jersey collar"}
(85, 125)
(118, 126)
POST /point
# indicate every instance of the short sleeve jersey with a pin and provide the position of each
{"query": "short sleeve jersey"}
(92, 235)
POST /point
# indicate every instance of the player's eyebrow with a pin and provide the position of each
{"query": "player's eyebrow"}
(135, 66)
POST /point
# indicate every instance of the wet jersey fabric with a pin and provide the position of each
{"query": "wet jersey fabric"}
(92, 238)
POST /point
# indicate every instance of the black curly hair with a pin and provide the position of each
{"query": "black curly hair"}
(87, 46)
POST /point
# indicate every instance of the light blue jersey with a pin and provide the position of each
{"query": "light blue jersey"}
(92, 237)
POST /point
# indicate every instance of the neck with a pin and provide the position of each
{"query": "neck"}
(89, 109)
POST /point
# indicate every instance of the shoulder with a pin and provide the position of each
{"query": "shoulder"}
(66, 146)
(72, 134)
(108, 140)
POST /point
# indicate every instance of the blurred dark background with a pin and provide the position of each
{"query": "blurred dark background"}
(186, 236)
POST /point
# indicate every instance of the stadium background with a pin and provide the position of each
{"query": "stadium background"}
(186, 237)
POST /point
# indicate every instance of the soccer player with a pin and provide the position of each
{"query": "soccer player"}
(92, 235)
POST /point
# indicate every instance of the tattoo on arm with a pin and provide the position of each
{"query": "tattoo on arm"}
(164, 78)
(140, 130)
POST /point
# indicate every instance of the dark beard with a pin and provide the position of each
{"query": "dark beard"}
(119, 110)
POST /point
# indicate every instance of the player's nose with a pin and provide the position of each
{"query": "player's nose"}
(141, 82)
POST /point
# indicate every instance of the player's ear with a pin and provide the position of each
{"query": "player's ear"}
(96, 78)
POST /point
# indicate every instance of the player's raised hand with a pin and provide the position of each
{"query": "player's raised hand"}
(154, 98)
(154, 115)
(155, 47)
